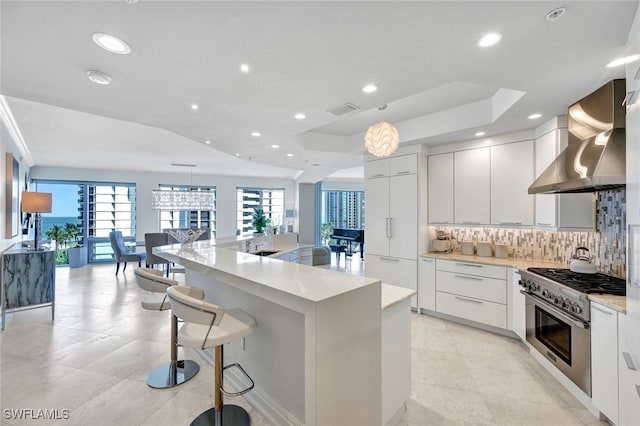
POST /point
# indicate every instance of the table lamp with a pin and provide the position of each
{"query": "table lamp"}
(36, 203)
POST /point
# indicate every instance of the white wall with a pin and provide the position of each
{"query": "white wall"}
(148, 219)
(306, 213)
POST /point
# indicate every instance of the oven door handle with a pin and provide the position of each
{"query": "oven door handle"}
(562, 315)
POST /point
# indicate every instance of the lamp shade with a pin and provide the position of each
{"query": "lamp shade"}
(36, 202)
(382, 139)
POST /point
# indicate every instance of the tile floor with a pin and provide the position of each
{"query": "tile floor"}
(94, 359)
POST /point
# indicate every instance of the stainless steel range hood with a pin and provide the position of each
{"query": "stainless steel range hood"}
(595, 158)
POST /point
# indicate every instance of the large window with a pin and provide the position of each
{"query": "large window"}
(189, 218)
(97, 208)
(248, 199)
(343, 209)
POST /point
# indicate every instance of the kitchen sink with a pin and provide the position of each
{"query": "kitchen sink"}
(264, 252)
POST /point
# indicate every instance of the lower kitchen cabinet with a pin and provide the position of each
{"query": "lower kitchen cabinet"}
(427, 284)
(395, 271)
(604, 360)
(518, 308)
(629, 379)
(472, 291)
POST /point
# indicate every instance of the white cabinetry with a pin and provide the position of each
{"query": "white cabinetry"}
(563, 211)
(629, 379)
(518, 308)
(472, 182)
(604, 360)
(512, 171)
(440, 188)
(391, 217)
(427, 284)
(394, 271)
(472, 291)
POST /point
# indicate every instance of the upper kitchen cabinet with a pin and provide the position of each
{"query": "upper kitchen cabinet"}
(440, 188)
(394, 166)
(561, 211)
(472, 186)
(512, 168)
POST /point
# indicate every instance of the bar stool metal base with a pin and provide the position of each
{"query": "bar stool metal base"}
(172, 374)
(231, 415)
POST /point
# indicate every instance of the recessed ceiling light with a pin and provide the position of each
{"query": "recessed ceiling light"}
(99, 77)
(534, 116)
(111, 43)
(275, 146)
(237, 154)
(194, 106)
(244, 68)
(489, 39)
(207, 142)
(256, 134)
(289, 155)
(555, 14)
(622, 61)
(300, 116)
(369, 88)
(480, 134)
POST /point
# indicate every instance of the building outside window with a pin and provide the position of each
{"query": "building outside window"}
(271, 200)
(97, 208)
(189, 218)
(343, 209)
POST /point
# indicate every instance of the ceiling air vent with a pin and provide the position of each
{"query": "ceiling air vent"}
(343, 109)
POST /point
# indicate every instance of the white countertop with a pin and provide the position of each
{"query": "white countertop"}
(392, 294)
(268, 278)
(492, 260)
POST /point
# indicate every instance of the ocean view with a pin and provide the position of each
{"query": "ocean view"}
(48, 222)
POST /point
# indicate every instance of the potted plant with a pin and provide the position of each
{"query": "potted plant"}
(58, 235)
(77, 254)
(259, 221)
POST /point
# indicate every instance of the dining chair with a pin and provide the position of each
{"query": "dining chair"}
(120, 253)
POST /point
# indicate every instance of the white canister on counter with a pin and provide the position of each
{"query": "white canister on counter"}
(502, 250)
(467, 248)
(485, 249)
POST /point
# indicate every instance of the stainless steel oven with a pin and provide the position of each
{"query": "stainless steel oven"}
(564, 340)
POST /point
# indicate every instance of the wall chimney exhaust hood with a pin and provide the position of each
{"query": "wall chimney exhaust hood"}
(595, 157)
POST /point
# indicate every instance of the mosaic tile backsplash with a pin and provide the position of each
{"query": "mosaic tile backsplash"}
(607, 244)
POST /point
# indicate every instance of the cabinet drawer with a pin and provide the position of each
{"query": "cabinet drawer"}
(403, 165)
(473, 286)
(394, 271)
(489, 271)
(489, 313)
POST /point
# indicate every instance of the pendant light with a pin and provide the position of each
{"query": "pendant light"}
(382, 139)
(172, 199)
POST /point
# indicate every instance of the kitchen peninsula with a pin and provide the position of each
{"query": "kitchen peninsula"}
(324, 351)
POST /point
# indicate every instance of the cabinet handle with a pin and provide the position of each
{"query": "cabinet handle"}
(404, 172)
(604, 311)
(388, 227)
(468, 300)
(464, 222)
(427, 260)
(543, 224)
(467, 277)
(628, 359)
(638, 390)
(390, 259)
(468, 264)
(510, 223)
(378, 175)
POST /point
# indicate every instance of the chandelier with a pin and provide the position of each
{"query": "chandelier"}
(382, 138)
(183, 199)
(163, 199)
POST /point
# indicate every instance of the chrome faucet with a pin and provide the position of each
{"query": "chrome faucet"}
(247, 246)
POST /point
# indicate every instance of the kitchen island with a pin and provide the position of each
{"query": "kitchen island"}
(324, 351)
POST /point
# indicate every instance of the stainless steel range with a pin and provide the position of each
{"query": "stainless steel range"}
(558, 316)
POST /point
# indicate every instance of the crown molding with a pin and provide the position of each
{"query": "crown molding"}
(14, 131)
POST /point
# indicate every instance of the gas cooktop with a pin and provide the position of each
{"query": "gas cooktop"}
(585, 283)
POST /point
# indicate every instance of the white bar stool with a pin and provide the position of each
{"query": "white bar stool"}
(205, 326)
(174, 372)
